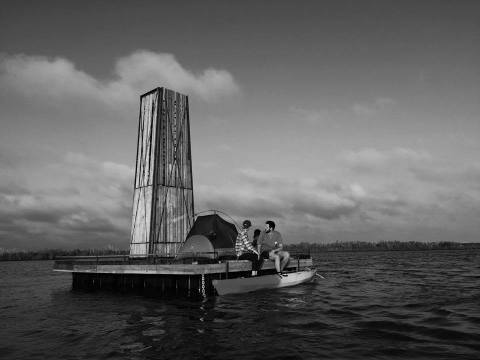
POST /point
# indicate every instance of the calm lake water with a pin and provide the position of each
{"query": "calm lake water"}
(380, 305)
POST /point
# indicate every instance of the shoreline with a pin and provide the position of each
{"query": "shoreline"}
(303, 248)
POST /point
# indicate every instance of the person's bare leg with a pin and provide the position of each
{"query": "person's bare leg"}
(273, 255)
(277, 263)
(285, 260)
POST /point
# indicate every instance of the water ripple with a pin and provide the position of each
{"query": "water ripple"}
(390, 305)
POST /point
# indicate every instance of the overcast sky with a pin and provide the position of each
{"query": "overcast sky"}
(339, 120)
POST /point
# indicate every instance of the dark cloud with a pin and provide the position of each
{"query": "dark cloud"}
(244, 208)
(449, 174)
(67, 211)
(86, 221)
(50, 216)
(284, 198)
(386, 206)
(318, 209)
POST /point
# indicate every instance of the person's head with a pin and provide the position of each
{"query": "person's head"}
(246, 224)
(269, 226)
(256, 233)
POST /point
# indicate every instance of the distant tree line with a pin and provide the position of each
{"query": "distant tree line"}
(309, 248)
(301, 248)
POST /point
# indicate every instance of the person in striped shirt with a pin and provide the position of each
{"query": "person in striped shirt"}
(245, 250)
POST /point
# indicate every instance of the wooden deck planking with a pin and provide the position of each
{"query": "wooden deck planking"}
(168, 269)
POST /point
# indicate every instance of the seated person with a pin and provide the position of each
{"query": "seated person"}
(256, 234)
(270, 242)
(245, 250)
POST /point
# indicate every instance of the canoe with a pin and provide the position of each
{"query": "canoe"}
(242, 285)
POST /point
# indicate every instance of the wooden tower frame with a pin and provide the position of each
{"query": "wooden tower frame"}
(163, 208)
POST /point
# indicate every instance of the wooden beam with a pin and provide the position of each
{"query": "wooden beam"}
(168, 269)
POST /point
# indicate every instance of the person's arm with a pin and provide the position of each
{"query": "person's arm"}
(248, 244)
(279, 242)
(259, 244)
(238, 245)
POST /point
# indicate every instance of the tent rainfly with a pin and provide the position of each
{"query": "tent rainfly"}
(209, 236)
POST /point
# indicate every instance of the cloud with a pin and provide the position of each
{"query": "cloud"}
(51, 103)
(144, 69)
(371, 158)
(330, 116)
(87, 203)
(68, 197)
(39, 75)
(224, 148)
(393, 194)
(409, 189)
(404, 180)
(61, 126)
(238, 202)
(309, 115)
(448, 175)
(59, 79)
(264, 195)
(369, 109)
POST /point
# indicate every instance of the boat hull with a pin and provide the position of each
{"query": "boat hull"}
(243, 285)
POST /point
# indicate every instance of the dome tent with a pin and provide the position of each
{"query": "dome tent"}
(210, 237)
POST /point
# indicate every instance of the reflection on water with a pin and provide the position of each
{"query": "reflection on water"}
(370, 305)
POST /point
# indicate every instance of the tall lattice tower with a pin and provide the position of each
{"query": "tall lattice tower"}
(163, 189)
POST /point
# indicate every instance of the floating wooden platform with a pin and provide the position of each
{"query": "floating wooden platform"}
(158, 276)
